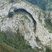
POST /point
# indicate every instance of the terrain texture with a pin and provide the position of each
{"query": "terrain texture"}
(25, 25)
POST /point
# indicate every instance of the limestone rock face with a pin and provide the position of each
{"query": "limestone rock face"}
(29, 20)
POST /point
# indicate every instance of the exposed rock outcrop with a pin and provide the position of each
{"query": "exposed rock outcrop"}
(29, 20)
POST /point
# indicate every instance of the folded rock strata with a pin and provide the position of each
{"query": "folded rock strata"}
(29, 20)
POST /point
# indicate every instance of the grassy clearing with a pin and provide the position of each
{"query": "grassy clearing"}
(48, 25)
(48, 49)
(14, 44)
